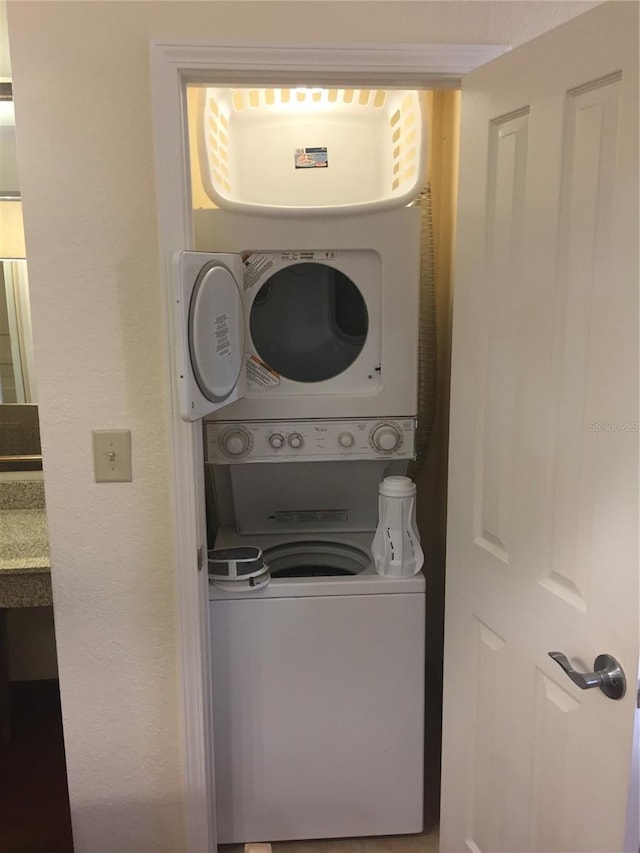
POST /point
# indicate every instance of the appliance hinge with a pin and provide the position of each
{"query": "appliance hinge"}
(200, 558)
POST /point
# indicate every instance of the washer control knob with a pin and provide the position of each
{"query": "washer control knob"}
(385, 438)
(235, 442)
(345, 439)
(295, 440)
(276, 440)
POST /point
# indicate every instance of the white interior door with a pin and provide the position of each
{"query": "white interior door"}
(543, 506)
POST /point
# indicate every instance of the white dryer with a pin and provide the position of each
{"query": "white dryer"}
(281, 318)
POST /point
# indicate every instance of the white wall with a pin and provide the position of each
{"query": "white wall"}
(5, 60)
(81, 82)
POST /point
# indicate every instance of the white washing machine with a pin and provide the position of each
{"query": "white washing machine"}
(318, 678)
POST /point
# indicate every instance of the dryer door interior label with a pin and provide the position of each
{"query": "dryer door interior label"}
(256, 264)
(259, 373)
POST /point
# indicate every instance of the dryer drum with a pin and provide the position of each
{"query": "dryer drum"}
(309, 322)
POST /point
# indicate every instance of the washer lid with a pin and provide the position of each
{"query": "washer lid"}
(216, 332)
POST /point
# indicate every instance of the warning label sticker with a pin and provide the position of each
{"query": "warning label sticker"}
(311, 158)
(308, 256)
(256, 264)
(222, 334)
(306, 516)
(259, 373)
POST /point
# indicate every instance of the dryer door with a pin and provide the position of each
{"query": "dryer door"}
(209, 344)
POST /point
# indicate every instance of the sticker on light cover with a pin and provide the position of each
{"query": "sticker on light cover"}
(311, 158)
(259, 373)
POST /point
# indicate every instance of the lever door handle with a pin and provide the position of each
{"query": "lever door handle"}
(608, 675)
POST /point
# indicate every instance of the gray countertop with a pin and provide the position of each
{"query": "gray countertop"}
(24, 541)
(25, 571)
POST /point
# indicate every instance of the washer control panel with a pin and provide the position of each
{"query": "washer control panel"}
(303, 441)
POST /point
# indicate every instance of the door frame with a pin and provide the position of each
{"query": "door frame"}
(173, 65)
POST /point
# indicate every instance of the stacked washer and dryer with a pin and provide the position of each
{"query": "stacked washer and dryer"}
(296, 343)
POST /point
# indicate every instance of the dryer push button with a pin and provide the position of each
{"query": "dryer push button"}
(345, 439)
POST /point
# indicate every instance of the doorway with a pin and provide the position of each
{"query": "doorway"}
(171, 72)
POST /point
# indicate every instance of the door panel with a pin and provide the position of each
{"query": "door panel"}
(507, 152)
(581, 345)
(542, 535)
(552, 791)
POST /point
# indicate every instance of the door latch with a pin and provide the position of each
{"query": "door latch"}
(608, 675)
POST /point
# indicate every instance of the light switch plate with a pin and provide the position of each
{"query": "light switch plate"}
(112, 455)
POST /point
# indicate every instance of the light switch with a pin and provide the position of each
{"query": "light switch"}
(112, 455)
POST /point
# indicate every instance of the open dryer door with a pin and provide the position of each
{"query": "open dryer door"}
(209, 326)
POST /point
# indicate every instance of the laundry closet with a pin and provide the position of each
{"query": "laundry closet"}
(310, 342)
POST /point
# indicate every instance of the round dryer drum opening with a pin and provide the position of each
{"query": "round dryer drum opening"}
(309, 322)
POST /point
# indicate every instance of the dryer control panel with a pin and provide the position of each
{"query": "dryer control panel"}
(310, 440)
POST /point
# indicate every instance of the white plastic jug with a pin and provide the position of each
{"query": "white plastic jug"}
(396, 547)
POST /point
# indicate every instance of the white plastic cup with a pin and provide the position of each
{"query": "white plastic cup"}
(396, 547)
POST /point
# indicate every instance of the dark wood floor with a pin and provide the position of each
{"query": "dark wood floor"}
(34, 801)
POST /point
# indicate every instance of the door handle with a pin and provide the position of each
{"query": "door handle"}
(608, 675)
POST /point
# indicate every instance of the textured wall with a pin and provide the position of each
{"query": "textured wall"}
(5, 61)
(81, 74)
